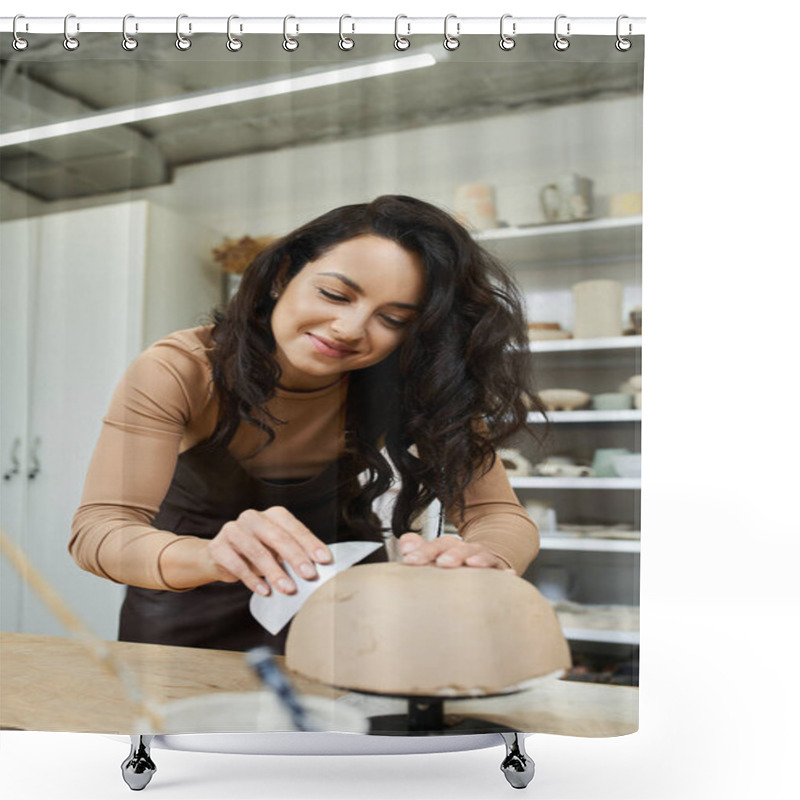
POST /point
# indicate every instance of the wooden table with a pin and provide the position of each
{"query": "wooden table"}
(49, 683)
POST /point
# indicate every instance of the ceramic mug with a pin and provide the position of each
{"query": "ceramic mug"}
(569, 198)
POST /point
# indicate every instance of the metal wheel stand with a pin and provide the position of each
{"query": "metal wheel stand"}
(138, 768)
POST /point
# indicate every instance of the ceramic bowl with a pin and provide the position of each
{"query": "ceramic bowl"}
(564, 399)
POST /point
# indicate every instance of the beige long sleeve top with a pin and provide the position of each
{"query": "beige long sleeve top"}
(165, 404)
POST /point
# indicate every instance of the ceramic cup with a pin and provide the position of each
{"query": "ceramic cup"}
(475, 206)
(598, 309)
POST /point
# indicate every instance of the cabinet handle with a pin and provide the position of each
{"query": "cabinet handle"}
(7, 476)
(36, 468)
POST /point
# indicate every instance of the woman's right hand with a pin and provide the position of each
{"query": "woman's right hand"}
(253, 546)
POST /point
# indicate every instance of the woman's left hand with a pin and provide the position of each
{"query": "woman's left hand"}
(447, 551)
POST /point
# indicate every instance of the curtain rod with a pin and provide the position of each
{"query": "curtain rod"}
(407, 26)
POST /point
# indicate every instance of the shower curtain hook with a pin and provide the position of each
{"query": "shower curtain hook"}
(70, 42)
(623, 44)
(233, 44)
(561, 43)
(19, 43)
(451, 42)
(182, 43)
(399, 42)
(128, 42)
(507, 42)
(290, 44)
(344, 42)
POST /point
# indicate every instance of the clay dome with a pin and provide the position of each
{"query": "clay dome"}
(409, 630)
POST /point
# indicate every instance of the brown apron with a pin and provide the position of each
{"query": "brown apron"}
(208, 489)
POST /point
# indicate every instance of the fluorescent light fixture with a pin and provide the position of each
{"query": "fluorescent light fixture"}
(201, 100)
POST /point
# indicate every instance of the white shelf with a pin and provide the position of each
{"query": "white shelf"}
(594, 635)
(592, 241)
(574, 345)
(626, 415)
(575, 483)
(591, 544)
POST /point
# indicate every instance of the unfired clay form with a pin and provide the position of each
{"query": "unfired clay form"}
(409, 630)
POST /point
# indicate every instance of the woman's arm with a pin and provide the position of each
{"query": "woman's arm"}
(495, 531)
(131, 469)
(495, 518)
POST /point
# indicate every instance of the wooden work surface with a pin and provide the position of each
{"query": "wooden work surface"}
(49, 683)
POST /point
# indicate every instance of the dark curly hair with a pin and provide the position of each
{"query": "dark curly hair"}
(459, 384)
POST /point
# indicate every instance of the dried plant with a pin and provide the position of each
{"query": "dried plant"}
(235, 255)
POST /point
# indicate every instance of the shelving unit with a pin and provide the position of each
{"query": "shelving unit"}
(603, 571)
(593, 242)
(576, 483)
(589, 544)
(593, 635)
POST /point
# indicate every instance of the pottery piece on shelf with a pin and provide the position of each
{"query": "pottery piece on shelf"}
(625, 204)
(632, 385)
(543, 514)
(475, 206)
(636, 320)
(543, 331)
(612, 401)
(603, 461)
(547, 335)
(570, 198)
(555, 583)
(551, 468)
(564, 399)
(627, 465)
(514, 462)
(598, 309)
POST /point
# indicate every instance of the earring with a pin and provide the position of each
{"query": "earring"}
(274, 294)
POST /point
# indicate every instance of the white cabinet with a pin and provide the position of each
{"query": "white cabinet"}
(82, 293)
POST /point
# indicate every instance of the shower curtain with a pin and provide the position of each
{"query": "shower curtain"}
(148, 187)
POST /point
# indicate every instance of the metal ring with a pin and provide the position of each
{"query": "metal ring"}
(399, 42)
(233, 44)
(182, 43)
(561, 43)
(290, 44)
(507, 42)
(128, 42)
(19, 43)
(451, 42)
(344, 42)
(623, 44)
(70, 42)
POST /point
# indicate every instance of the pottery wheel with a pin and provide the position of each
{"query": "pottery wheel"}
(418, 715)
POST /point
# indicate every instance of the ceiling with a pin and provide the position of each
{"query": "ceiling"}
(46, 83)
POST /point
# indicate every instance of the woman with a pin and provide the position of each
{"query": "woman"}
(234, 448)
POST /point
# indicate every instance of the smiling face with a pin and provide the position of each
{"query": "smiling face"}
(347, 310)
